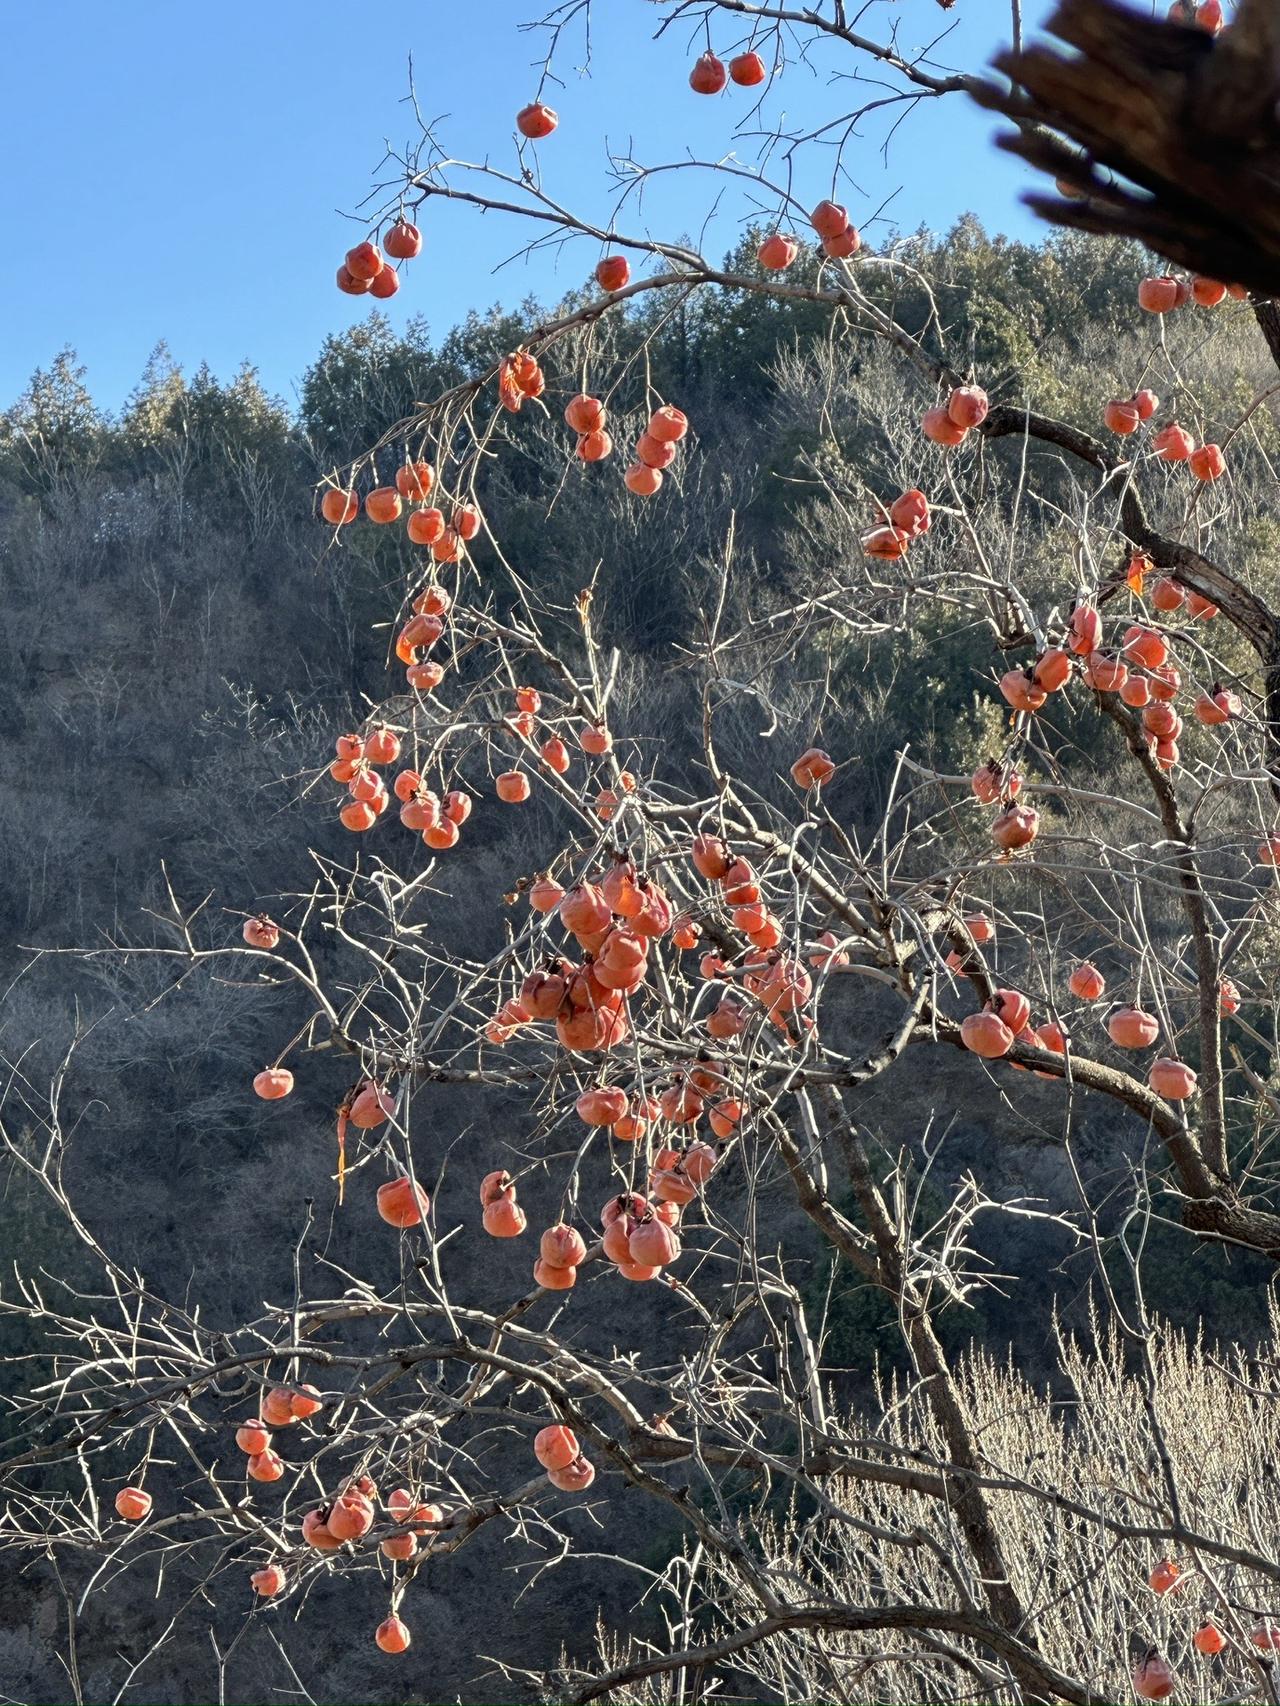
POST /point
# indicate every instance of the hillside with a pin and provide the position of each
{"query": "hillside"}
(184, 640)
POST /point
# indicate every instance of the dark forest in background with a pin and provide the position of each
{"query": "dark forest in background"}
(181, 632)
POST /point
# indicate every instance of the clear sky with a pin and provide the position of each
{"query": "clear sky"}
(180, 172)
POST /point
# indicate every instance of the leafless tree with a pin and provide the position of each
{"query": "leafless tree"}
(712, 943)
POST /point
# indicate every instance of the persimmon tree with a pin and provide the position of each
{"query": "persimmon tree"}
(707, 973)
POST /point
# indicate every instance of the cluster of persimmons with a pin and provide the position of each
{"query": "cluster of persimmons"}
(1137, 667)
(618, 923)
(621, 919)
(1125, 416)
(365, 272)
(1152, 1675)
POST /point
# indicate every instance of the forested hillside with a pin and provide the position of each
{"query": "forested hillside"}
(183, 640)
(183, 634)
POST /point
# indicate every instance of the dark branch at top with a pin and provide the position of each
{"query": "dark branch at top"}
(1165, 133)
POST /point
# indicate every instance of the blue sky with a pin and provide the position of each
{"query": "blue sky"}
(179, 173)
